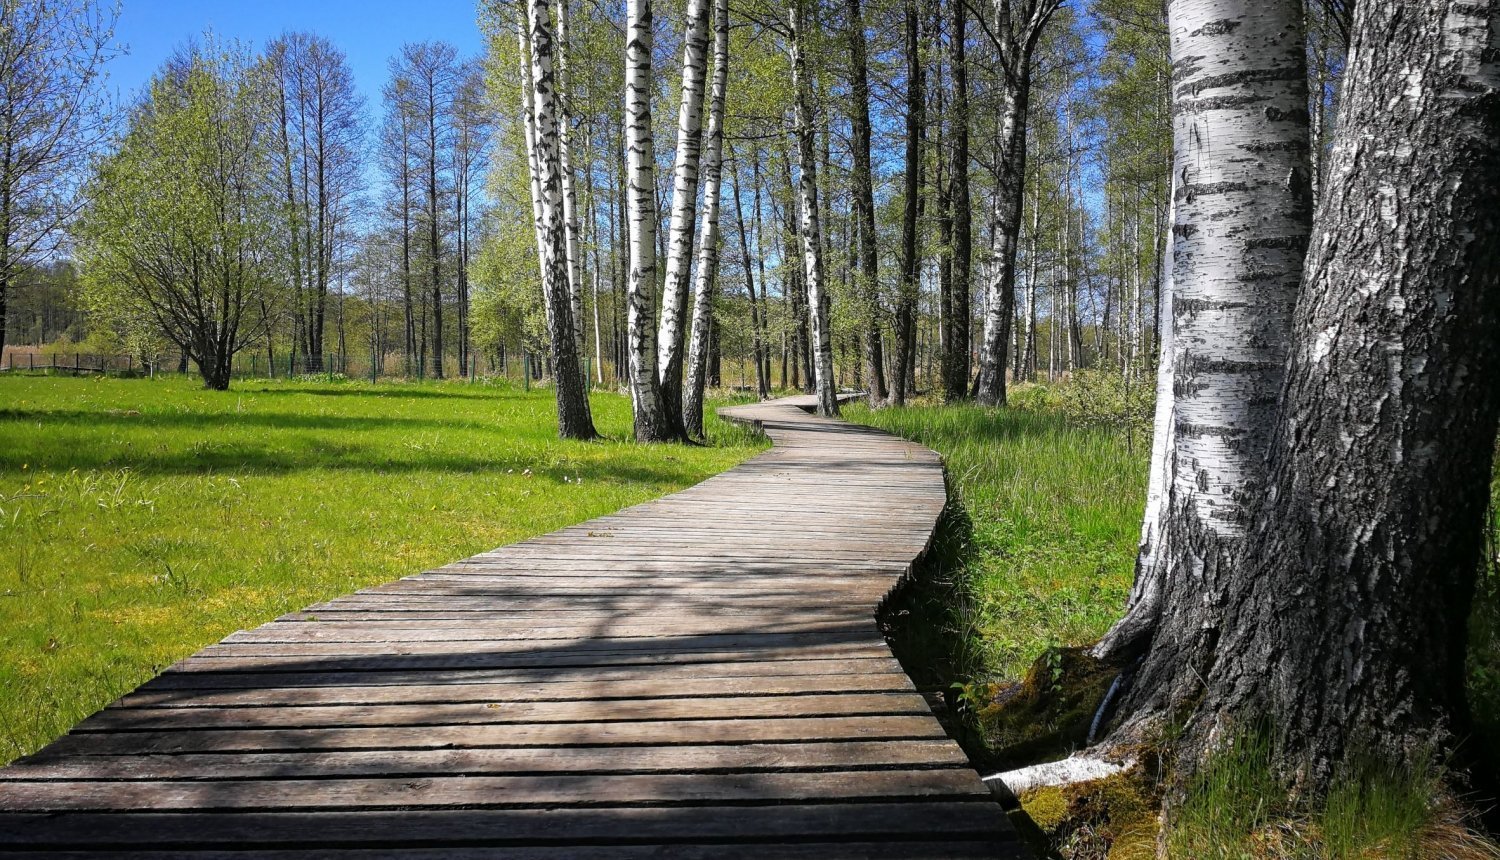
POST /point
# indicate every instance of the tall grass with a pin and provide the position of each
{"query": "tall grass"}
(141, 520)
(1054, 509)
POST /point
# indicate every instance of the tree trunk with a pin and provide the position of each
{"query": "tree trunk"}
(708, 244)
(1005, 216)
(905, 322)
(1241, 229)
(570, 195)
(574, 420)
(812, 240)
(956, 339)
(757, 339)
(1358, 571)
(651, 421)
(674, 296)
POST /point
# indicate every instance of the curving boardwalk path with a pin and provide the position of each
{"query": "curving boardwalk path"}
(697, 676)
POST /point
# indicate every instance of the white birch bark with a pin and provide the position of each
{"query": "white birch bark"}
(680, 231)
(570, 196)
(574, 419)
(651, 423)
(708, 241)
(811, 233)
(1241, 224)
(1241, 227)
(528, 125)
(1151, 567)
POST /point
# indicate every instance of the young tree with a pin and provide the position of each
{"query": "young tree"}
(708, 242)
(651, 420)
(1018, 26)
(810, 230)
(179, 222)
(53, 116)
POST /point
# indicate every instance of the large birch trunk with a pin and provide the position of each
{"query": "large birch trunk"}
(651, 422)
(1345, 623)
(573, 418)
(1240, 236)
(708, 242)
(674, 294)
(1141, 610)
(811, 234)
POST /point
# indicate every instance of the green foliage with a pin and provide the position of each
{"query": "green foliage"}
(142, 520)
(177, 239)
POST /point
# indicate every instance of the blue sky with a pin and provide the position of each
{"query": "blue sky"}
(369, 31)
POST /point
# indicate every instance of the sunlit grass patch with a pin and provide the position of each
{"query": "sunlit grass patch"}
(141, 520)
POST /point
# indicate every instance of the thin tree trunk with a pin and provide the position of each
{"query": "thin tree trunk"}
(570, 195)
(574, 420)
(651, 420)
(812, 240)
(906, 298)
(708, 244)
(868, 268)
(674, 296)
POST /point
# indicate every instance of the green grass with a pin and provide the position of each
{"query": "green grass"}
(1051, 514)
(141, 520)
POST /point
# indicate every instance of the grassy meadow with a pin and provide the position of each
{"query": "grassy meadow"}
(1048, 512)
(143, 519)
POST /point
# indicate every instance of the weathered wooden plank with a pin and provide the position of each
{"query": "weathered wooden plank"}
(591, 710)
(493, 791)
(500, 827)
(726, 731)
(745, 758)
(418, 690)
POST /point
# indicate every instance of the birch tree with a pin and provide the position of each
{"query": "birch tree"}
(1018, 26)
(708, 241)
(651, 421)
(574, 420)
(674, 294)
(810, 230)
(1242, 217)
(1360, 561)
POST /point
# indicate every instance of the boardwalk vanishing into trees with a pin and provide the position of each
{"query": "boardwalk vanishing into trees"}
(701, 675)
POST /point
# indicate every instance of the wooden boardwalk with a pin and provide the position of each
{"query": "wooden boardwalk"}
(697, 676)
